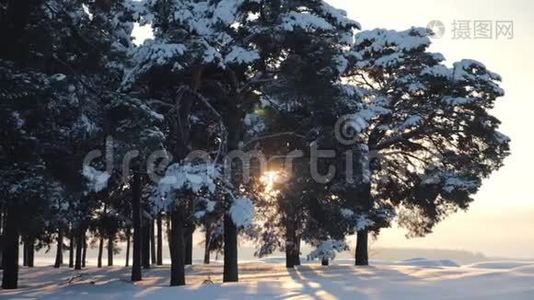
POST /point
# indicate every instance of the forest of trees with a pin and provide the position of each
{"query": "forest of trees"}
(280, 122)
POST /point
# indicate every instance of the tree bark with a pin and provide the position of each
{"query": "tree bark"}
(297, 253)
(361, 255)
(146, 244)
(136, 216)
(79, 248)
(177, 249)
(59, 251)
(71, 250)
(152, 243)
(362, 237)
(291, 244)
(159, 254)
(127, 247)
(100, 250)
(232, 121)
(230, 272)
(24, 252)
(10, 252)
(207, 242)
(31, 252)
(189, 243)
(2, 228)
(84, 251)
(110, 251)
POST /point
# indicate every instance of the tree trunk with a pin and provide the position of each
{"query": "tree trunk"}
(159, 254)
(59, 251)
(361, 255)
(234, 134)
(24, 253)
(100, 250)
(152, 243)
(230, 273)
(84, 251)
(127, 247)
(110, 251)
(146, 244)
(290, 257)
(182, 134)
(10, 252)
(207, 242)
(297, 253)
(136, 216)
(177, 249)
(71, 250)
(324, 261)
(291, 244)
(2, 228)
(79, 248)
(189, 243)
(31, 252)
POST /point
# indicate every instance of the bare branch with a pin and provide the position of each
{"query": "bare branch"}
(274, 135)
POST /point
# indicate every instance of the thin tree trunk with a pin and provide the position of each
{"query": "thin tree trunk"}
(24, 253)
(71, 250)
(168, 232)
(127, 247)
(291, 243)
(110, 251)
(10, 252)
(189, 243)
(2, 230)
(31, 252)
(230, 272)
(234, 128)
(159, 254)
(361, 255)
(297, 253)
(136, 216)
(100, 250)
(59, 251)
(146, 245)
(207, 242)
(182, 134)
(152, 242)
(79, 248)
(84, 251)
(177, 249)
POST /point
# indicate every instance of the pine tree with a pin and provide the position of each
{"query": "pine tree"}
(428, 136)
(299, 111)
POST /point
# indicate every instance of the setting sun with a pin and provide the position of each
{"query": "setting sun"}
(269, 178)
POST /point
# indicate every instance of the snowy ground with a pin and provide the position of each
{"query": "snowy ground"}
(268, 279)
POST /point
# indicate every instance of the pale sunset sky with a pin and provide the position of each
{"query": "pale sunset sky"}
(500, 221)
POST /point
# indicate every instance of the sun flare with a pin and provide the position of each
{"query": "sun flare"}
(269, 178)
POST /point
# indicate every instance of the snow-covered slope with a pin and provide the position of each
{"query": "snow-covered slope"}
(410, 279)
